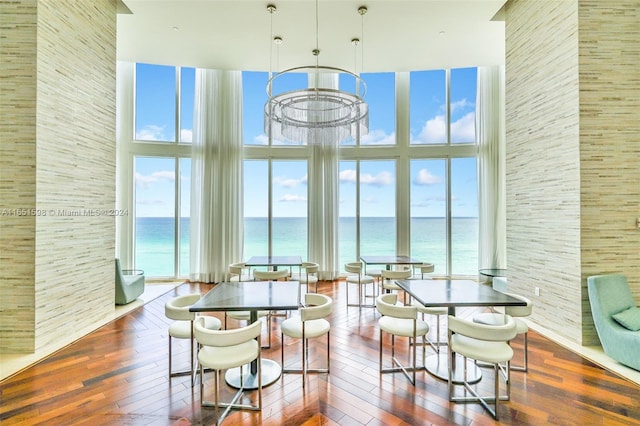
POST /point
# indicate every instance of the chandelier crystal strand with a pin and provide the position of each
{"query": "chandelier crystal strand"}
(316, 113)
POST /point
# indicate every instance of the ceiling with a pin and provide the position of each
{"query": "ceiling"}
(397, 35)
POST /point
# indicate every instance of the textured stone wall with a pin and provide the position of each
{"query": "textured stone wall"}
(65, 159)
(543, 160)
(572, 154)
(609, 64)
(18, 85)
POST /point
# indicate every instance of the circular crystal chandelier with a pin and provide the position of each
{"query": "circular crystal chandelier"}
(320, 113)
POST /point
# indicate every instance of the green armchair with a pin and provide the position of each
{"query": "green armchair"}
(611, 302)
(129, 284)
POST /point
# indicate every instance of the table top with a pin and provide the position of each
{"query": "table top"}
(389, 260)
(250, 295)
(492, 272)
(454, 293)
(274, 261)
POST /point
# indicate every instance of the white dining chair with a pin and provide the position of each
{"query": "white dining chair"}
(356, 276)
(403, 321)
(177, 309)
(239, 271)
(224, 349)
(311, 323)
(280, 274)
(484, 343)
(422, 270)
(517, 312)
(389, 278)
(308, 275)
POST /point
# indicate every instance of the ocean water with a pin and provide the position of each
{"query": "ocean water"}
(155, 241)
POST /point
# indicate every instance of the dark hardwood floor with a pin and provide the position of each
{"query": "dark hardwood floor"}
(118, 376)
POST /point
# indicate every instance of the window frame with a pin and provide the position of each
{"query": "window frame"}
(402, 153)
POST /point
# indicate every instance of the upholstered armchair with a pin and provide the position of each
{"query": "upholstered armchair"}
(129, 284)
(616, 317)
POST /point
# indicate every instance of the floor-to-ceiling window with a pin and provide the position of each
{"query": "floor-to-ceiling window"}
(275, 207)
(377, 207)
(159, 150)
(428, 194)
(367, 209)
(407, 187)
(443, 194)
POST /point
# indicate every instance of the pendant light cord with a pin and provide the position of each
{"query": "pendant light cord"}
(316, 52)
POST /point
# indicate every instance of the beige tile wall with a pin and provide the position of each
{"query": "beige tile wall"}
(64, 276)
(609, 52)
(18, 48)
(572, 154)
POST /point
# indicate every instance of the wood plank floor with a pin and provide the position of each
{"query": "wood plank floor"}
(118, 376)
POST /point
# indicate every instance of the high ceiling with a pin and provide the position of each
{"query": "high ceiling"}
(399, 35)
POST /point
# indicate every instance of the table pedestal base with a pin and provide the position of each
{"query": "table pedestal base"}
(270, 370)
(438, 365)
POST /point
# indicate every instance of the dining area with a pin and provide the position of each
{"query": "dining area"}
(299, 311)
(118, 374)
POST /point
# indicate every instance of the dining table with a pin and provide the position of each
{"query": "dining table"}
(274, 261)
(452, 294)
(388, 260)
(252, 296)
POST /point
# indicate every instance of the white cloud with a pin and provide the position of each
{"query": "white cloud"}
(434, 131)
(150, 202)
(261, 139)
(426, 178)
(146, 181)
(378, 137)
(186, 135)
(348, 176)
(151, 132)
(292, 197)
(464, 130)
(461, 104)
(289, 182)
(381, 179)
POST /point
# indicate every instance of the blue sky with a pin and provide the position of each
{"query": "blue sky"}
(155, 120)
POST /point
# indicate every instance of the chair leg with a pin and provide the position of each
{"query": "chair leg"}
(328, 351)
(437, 348)
(305, 355)
(496, 388)
(191, 347)
(201, 385)
(380, 340)
(282, 352)
(475, 397)
(268, 330)
(216, 392)
(526, 351)
(396, 366)
(414, 359)
(525, 366)
(346, 286)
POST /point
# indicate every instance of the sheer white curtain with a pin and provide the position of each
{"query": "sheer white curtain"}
(490, 131)
(216, 175)
(323, 192)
